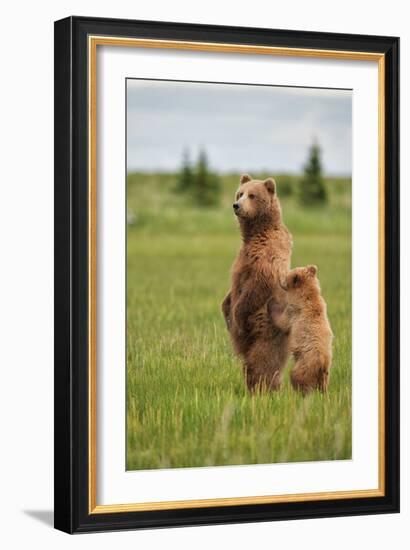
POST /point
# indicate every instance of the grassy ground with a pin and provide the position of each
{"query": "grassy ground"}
(186, 401)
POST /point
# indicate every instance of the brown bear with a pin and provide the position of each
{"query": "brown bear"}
(310, 336)
(263, 261)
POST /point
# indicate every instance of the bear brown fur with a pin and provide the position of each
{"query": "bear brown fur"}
(263, 261)
(310, 336)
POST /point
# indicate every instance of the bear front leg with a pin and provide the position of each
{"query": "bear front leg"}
(226, 309)
(250, 301)
(279, 315)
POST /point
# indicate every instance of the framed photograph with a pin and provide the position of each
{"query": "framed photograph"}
(226, 274)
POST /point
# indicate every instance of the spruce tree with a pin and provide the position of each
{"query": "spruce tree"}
(207, 188)
(185, 181)
(312, 186)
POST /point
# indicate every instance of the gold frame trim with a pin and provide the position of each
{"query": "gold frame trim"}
(93, 42)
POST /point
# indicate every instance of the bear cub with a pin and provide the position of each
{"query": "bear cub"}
(310, 336)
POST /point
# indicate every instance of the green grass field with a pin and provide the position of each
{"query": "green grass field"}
(187, 405)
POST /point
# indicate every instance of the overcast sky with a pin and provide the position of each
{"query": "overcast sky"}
(243, 128)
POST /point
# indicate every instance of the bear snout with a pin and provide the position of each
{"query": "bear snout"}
(235, 206)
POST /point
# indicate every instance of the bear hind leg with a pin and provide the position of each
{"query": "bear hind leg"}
(264, 364)
(306, 377)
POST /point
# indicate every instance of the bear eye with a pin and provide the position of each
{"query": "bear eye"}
(251, 196)
(240, 195)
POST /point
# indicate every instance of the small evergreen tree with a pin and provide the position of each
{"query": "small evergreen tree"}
(207, 188)
(186, 176)
(312, 187)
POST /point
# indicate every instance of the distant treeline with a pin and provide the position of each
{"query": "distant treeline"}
(204, 186)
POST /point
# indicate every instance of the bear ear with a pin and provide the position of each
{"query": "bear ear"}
(312, 269)
(270, 185)
(245, 178)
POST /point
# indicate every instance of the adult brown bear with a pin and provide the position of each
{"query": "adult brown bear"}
(262, 263)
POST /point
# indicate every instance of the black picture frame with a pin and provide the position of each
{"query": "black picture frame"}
(71, 493)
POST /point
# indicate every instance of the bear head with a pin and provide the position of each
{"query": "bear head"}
(301, 283)
(256, 200)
